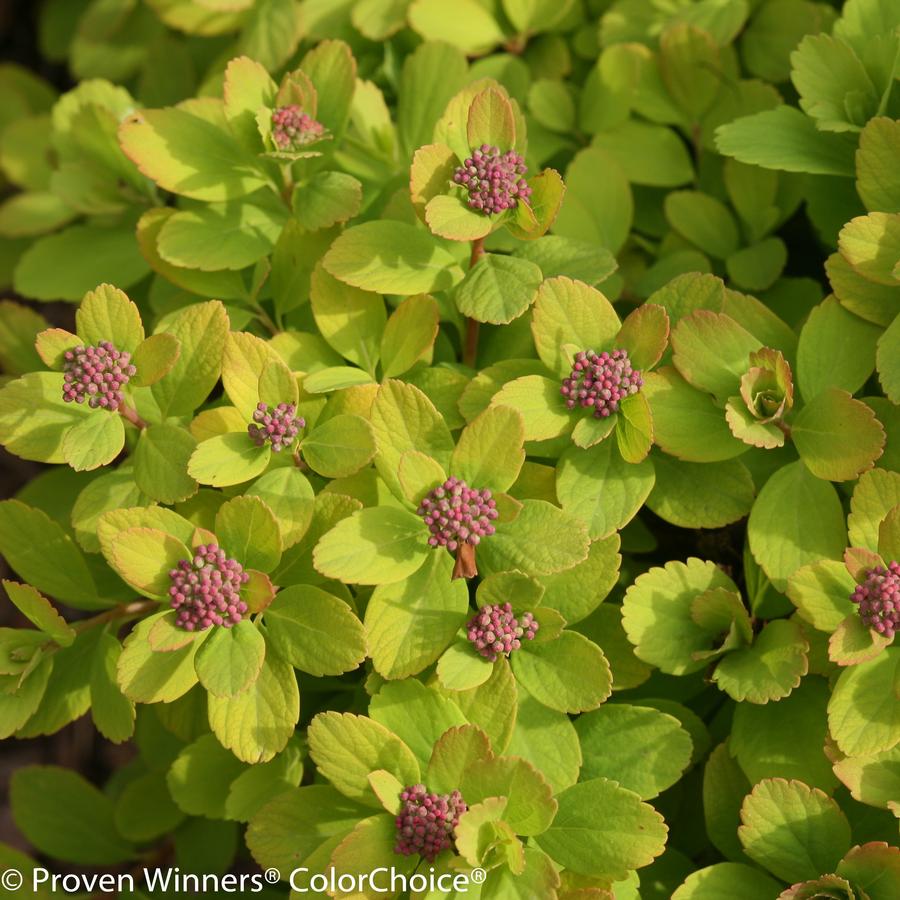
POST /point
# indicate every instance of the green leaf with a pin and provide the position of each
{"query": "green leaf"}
(228, 459)
(792, 830)
(409, 335)
(373, 546)
(796, 519)
(887, 355)
(577, 259)
(769, 669)
(64, 816)
(540, 404)
(571, 312)
(871, 244)
(347, 748)
(392, 258)
(827, 74)
(643, 749)
(877, 181)
(200, 775)
(821, 592)
(351, 320)
(247, 88)
(143, 557)
(327, 199)
(569, 674)
(542, 539)
(686, 423)
(490, 450)
(112, 712)
(600, 488)
(248, 532)
(315, 631)
(876, 303)
(95, 441)
(696, 495)
(230, 660)
(690, 68)
(65, 265)
(154, 358)
(230, 235)
(408, 624)
(201, 330)
(648, 154)
(257, 724)
(339, 446)
(863, 717)
(470, 26)
(657, 614)
(634, 429)
(630, 835)
(257, 785)
(28, 538)
(836, 436)
(161, 461)
(704, 221)
(758, 266)
(727, 879)
(186, 151)
(784, 138)
(498, 288)
(40, 612)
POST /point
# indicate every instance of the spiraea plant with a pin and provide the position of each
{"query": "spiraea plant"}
(468, 445)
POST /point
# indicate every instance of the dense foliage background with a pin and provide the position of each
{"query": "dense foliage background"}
(264, 223)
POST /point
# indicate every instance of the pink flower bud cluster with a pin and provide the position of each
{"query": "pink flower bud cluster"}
(278, 425)
(97, 374)
(426, 822)
(879, 599)
(495, 631)
(292, 128)
(457, 514)
(599, 381)
(495, 182)
(206, 589)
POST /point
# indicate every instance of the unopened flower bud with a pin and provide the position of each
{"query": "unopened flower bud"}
(495, 182)
(277, 425)
(600, 381)
(879, 599)
(205, 589)
(426, 821)
(97, 374)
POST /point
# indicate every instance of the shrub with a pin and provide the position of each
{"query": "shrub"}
(474, 450)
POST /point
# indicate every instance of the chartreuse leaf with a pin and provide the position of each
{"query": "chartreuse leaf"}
(877, 180)
(198, 775)
(871, 244)
(368, 848)
(631, 834)
(154, 358)
(106, 314)
(889, 535)
(66, 817)
(569, 674)
(876, 303)
(470, 27)
(326, 199)
(248, 532)
(346, 748)
(657, 614)
(491, 705)
(571, 312)
(350, 319)
(794, 831)
(634, 429)
(704, 221)
(28, 538)
(490, 450)
(257, 724)
(460, 668)
(187, 151)
(24, 692)
(836, 436)
(449, 217)
(871, 779)
(874, 867)
(409, 335)
(248, 87)
(228, 459)
(315, 631)
(339, 446)
(40, 612)
(373, 546)
(408, 624)
(541, 540)
(393, 258)
(796, 520)
(200, 330)
(728, 879)
(143, 557)
(161, 461)
(686, 422)
(95, 441)
(498, 289)
(402, 419)
(645, 750)
(598, 487)
(887, 355)
(230, 659)
(863, 717)
(821, 592)
(259, 784)
(244, 360)
(148, 676)
(289, 495)
(483, 838)
(769, 669)
(112, 712)
(540, 404)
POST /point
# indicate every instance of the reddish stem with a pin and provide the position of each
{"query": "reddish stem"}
(131, 415)
(470, 345)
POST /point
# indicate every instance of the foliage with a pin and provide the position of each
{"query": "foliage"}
(485, 397)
